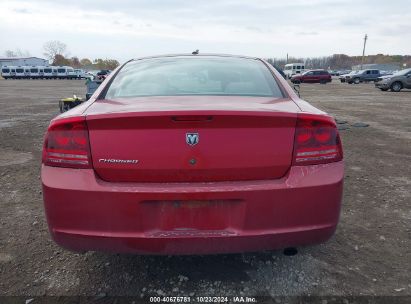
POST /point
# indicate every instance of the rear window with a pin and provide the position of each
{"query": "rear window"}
(176, 76)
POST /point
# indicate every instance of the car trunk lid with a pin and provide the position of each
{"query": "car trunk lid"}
(135, 142)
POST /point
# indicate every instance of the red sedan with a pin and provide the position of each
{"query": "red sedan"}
(313, 76)
(192, 154)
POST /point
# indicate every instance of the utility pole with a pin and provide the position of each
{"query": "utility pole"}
(363, 50)
(287, 58)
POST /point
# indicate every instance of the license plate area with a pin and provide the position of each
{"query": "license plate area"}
(191, 215)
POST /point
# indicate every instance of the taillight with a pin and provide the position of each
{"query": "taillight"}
(66, 144)
(316, 141)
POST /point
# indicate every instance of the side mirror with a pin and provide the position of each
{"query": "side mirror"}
(296, 88)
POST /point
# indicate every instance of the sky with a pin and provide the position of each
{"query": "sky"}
(125, 29)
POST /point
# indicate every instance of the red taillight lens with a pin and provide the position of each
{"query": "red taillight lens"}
(316, 141)
(66, 144)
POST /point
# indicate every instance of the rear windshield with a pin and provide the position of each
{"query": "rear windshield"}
(176, 76)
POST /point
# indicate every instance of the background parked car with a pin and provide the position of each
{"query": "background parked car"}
(363, 76)
(387, 73)
(312, 76)
(334, 73)
(343, 76)
(397, 82)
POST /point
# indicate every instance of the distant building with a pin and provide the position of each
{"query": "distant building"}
(29, 61)
(377, 66)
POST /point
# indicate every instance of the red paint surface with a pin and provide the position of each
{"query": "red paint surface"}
(86, 213)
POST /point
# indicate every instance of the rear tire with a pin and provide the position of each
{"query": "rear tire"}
(396, 86)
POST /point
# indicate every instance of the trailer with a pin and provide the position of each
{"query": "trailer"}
(291, 69)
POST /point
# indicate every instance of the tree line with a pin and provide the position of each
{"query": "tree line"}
(57, 54)
(342, 61)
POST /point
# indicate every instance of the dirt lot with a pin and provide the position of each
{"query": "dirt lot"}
(369, 255)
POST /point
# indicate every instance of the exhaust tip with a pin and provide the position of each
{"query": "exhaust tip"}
(290, 251)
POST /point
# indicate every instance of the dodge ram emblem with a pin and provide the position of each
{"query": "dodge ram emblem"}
(192, 138)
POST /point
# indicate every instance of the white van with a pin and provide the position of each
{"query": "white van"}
(61, 72)
(8, 72)
(48, 72)
(41, 71)
(19, 72)
(291, 69)
(54, 71)
(70, 73)
(80, 74)
(27, 73)
(34, 72)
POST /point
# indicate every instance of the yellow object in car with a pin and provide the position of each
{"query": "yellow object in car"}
(72, 99)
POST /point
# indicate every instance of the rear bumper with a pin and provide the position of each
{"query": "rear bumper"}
(86, 213)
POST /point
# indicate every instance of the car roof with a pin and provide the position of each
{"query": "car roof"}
(196, 55)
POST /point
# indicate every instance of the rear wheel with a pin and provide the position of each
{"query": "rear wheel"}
(356, 80)
(396, 86)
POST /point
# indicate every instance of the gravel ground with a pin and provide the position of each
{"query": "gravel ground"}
(369, 254)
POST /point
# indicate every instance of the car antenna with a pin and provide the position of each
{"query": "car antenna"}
(195, 52)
